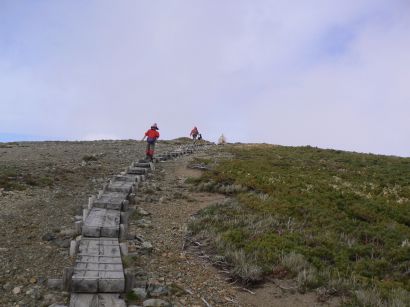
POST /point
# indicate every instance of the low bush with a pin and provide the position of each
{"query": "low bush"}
(12, 178)
(88, 158)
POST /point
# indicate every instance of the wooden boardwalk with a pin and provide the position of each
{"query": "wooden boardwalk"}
(97, 278)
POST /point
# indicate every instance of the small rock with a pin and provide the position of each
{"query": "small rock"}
(34, 293)
(55, 284)
(141, 211)
(146, 244)
(63, 243)
(144, 223)
(157, 290)
(140, 293)
(156, 302)
(16, 290)
(7, 286)
(67, 232)
(48, 237)
(30, 292)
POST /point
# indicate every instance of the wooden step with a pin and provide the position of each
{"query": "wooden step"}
(102, 223)
(110, 200)
(120, 186)
(137, 170)
(96, 300)
(98, 267)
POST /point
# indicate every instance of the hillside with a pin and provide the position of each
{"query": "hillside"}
(248, 225)
(332, 221)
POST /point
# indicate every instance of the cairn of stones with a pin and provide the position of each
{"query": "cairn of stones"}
(97, 277)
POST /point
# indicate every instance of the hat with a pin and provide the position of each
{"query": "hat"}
(154, 126)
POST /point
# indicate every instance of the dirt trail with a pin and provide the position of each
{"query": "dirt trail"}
(170, 202)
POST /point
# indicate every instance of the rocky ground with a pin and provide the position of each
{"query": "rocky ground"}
(46, 185)
(37, 214)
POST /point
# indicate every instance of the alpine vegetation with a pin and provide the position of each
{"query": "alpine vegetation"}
(335, 222)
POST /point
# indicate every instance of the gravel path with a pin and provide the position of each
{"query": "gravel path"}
(170, 204)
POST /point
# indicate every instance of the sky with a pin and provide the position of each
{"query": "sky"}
(332, 74)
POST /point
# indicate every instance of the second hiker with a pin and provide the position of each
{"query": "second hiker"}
(194, 133)
(152, 135)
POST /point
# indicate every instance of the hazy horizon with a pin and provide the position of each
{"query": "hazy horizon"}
(39, 139)
(319, 73)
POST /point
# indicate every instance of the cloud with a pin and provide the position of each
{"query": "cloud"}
(330, 74)
(357, 101)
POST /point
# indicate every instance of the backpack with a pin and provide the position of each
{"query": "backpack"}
(151, 140)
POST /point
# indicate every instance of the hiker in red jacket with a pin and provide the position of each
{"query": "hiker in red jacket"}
(152, 135)
(194, 133)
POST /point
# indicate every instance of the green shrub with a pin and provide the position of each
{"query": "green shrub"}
(88, 158)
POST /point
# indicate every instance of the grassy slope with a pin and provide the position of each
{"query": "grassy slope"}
(327, 218)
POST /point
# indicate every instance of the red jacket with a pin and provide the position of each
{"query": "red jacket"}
(152, 133)
(194, 131)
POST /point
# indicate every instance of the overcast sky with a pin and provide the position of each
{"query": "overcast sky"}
(327, 73)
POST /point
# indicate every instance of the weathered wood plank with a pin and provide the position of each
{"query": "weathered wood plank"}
(97, 259)
(84, 282)
(96, 300)
(119, 186)
(146, 165)
(127, 178)
(137, 170)
(111, 200)
(102, 223)
(98, 267)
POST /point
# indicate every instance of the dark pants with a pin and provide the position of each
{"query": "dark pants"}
(150, 150)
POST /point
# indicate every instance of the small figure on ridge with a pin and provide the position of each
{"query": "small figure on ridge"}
(194, 133)
(222, 140)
